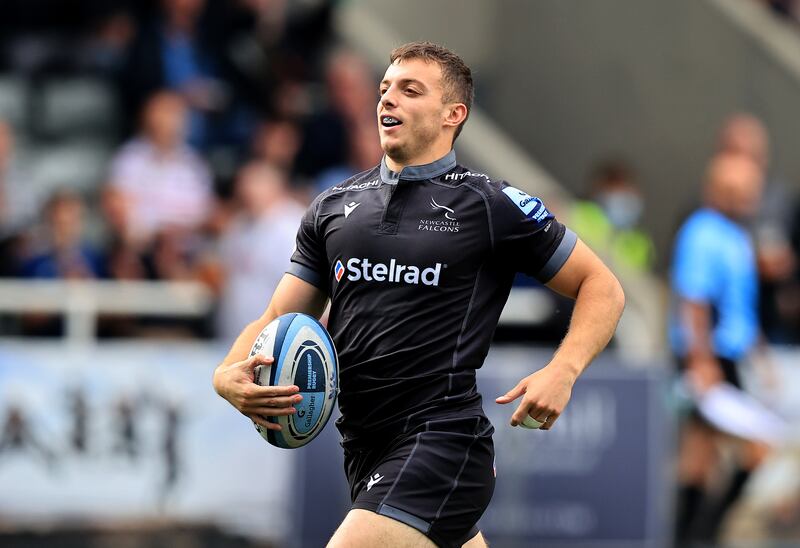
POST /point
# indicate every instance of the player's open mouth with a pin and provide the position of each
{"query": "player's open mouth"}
(390, 121)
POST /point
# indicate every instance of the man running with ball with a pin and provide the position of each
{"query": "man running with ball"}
(417, 257)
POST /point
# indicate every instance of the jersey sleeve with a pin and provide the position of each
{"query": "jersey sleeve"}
(527, 237)
(309, 261)
(693, 276)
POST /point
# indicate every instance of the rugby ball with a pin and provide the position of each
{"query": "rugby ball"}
(304, 356)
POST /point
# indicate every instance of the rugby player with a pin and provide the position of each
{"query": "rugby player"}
(417, 257)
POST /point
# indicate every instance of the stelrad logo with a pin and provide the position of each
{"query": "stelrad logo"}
(363, 269)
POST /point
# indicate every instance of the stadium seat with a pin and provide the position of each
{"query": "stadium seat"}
(78, 166)
(77, 107)
(13, 107)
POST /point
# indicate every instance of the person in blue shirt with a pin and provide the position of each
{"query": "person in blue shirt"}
(713, 325)
(62, 249)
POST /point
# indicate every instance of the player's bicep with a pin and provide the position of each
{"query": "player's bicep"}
(581, 264)
(294, 294)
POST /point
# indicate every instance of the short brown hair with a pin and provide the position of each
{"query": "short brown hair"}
(456, 75)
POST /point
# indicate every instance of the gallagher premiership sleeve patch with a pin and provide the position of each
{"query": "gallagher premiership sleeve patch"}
(532, 207)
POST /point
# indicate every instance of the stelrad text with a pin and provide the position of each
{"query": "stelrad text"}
(364, 269)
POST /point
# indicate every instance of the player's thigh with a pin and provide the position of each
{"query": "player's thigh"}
(365, 529)
(439, 481)
(698, 452)
(476, 542)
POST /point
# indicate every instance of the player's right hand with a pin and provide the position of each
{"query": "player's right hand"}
(704, 372)
(236, 383)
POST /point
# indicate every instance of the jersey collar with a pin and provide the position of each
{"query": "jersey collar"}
(419, 173)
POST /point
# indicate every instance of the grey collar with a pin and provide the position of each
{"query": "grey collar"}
(419, 173)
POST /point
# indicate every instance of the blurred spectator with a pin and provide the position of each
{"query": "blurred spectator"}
(779, 275)
(790, 297)
(124, 257)
(105, 47)
(255, 250)
(364, 153)
(351, 100)
(277, 143)
(608, 221)
(714, 325)
(19, 203)
(180, 49)
(61, 249)
(163, 183)
(172, 254)
(351, 87)
(292, 37)
(40, 35)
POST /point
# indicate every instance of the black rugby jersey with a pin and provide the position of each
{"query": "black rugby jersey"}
(418, 266)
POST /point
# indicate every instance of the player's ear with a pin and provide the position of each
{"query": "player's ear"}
(455, 114)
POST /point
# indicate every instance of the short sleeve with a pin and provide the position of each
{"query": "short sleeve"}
(527, 236)
(693, 265)
(309, 261)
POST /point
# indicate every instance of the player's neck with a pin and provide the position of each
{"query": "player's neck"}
(430, 156)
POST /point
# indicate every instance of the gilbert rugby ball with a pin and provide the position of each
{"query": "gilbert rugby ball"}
(304, 356)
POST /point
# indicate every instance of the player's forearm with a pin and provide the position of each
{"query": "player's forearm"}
(241, 346)
(696, 317)
(291, 295)
(598, 307)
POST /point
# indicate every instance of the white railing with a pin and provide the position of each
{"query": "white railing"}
(82, 302)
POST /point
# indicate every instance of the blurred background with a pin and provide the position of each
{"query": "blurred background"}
(156, 157)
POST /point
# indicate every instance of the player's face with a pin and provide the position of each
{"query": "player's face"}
(411, 111)
(736, 185)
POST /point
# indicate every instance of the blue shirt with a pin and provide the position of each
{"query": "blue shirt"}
(183, 64)
(714, 263)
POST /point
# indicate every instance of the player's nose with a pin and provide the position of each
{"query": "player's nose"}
(388, 99)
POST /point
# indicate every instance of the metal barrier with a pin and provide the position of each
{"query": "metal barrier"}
(83, 301)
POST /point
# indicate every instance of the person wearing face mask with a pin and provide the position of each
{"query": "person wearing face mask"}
(608, 220)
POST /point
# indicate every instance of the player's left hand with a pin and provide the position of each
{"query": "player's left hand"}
(545, 394)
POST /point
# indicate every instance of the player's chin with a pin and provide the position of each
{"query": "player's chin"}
(392, 147)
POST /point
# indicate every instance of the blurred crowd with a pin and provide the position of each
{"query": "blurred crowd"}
(230, 117)
(610, 214)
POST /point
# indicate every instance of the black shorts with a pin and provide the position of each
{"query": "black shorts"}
(730, 372)
(438, 479)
